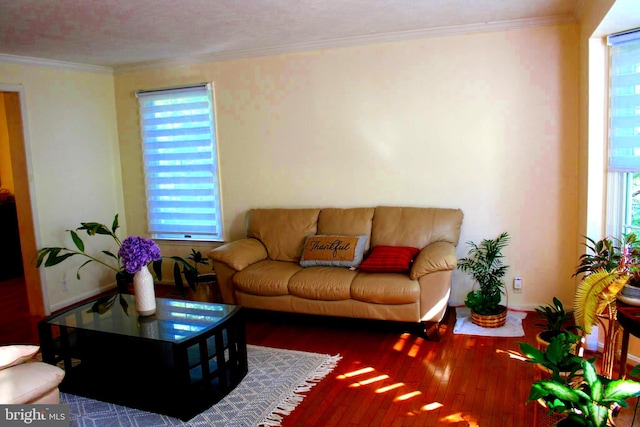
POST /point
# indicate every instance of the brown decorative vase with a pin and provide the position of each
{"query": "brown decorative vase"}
(490, 320)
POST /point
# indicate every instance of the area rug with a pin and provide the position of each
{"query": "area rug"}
(271, 390)
(512, 328)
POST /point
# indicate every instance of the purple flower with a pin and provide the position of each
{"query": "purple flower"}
(136, 252)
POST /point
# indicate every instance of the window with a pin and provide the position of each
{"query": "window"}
(181, 163)
(624, 133)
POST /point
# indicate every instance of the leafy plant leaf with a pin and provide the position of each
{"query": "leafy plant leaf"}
(157, 268)
(124, 304)
(597, 414)
(83, 264)
(77, 240)
(115, 225)
(54, 258)
(111, 254)
(594, 293)
(591, 377)
(177, 278)
(620, 390)
(559, 390)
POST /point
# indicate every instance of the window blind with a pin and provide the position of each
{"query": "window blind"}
(180, 163)
(624, 108)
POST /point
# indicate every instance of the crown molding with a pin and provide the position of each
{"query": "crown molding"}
(303, 47)
(350, 41)
(40, 62)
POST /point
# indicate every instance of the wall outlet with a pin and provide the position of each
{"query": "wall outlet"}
(63, 283)
(517, 285)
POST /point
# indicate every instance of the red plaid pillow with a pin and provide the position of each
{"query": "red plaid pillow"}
(389, 259)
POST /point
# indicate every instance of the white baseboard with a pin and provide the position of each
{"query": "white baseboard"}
(80, 297)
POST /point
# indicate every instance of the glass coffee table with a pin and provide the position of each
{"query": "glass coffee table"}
(178, 362)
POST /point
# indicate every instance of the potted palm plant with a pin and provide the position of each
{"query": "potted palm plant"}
(484, 263)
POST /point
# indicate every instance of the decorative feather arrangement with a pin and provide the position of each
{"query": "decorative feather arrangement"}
(594, 293)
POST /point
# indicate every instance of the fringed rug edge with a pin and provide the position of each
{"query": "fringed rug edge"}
(294, 398)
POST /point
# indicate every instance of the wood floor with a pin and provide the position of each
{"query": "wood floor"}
(388, 375)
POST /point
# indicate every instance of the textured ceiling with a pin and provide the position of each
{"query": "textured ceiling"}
(116, 33)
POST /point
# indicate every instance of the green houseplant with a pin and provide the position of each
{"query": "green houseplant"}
(484, 262)
(573, 388)
(559, 358)
(608, 266)
(197, 281)
(50, 256)
(555, 320)
(590, 401)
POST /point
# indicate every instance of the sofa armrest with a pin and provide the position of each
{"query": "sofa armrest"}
(438, 256)
(239, 254)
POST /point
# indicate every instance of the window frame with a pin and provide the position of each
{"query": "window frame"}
(619, 205)
(151, 146)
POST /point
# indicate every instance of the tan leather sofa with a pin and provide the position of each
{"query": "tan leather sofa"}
(262, 271)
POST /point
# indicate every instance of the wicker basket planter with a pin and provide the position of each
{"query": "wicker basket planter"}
(490, 320)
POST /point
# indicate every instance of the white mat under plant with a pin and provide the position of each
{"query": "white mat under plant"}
(512, 328)
(271, 390)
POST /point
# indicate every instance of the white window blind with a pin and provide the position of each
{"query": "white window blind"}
(181, 163)
(624, 109)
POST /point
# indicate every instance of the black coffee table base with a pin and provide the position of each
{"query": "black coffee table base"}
(179, 379)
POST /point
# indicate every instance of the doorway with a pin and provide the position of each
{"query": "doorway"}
(13, 134)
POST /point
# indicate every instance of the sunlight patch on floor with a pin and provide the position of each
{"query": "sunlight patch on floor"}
(407, 396)
(456, 418)
(431, 406)
(389, 387)
(355, 373)
(399, 345)
(512, 354)
(369, 381)
(413, 352)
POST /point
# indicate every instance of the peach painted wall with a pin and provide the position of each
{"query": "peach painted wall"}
(486, 122)
(75, 165)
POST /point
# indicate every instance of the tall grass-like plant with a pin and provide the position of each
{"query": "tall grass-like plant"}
(484, 262)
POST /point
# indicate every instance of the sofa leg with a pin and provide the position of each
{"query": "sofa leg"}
(432, 330)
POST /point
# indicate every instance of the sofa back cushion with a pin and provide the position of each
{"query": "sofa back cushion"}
(415, 227)
(282, 231)
(346, 222)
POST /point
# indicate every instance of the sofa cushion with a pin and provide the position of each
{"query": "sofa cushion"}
(282, 231)
(347, 222)
(322, 283)
(268, 278)
(389, 259)
(11, 355)
(331, 250)
(415, 227)
(385, 288)
(28, 382)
